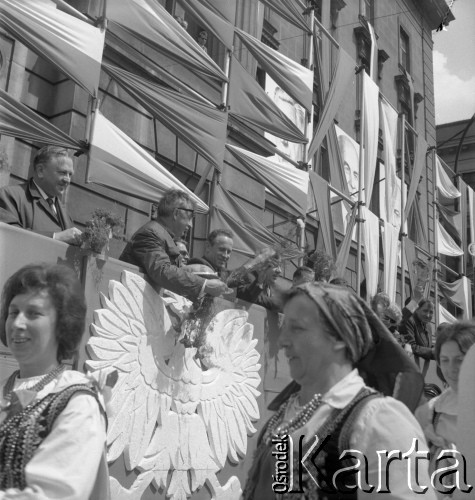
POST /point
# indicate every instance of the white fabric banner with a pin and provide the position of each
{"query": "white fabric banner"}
(467, 294)
(72, 45)
(471, 217)
(288, 183)
(389, 119)
(445, 316)
(371, 132)
(445, 186)
(150, 21)
(445, 243)
(118, 162)
(390, 249)
(373, 72)
(371, 245)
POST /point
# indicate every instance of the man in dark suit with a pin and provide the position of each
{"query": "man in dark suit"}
(153, 249)
(36, 205)
(219, 246)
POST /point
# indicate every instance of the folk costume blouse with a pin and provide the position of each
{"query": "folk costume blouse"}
(69, 464)
(382, 424)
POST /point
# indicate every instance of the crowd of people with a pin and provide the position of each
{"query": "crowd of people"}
(357, 368)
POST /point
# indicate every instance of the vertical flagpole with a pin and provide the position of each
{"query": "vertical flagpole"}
(436, 255)
(359, 219)
(402, 129)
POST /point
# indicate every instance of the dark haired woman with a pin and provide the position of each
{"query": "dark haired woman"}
(52, 428)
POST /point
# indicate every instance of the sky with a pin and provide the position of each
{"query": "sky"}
(454, 65)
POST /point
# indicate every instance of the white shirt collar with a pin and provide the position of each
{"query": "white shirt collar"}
(344, 391)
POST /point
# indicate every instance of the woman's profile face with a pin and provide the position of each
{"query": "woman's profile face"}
(307, 344)
(31, 329)
(425, 312)
(450, 361)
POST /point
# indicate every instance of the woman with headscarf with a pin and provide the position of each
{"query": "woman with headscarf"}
(329, 333)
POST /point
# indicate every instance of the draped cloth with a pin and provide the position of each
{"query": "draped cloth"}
(471, 218)
(388, 119)
(371, 133)
(445, 316)
(289, 184)
(292, 77)
(249, 235)
(371, 244)
(419, 164)
(288, 10)
(18, 120)
(445, 243)
(319, 198)
(249, 102)
(342, 76)
(372, 348)
(459, 292)
(75, 47)
(119, 163)
(200, 126)
(345, 245)
(211, 19)
(444, 184)
(152, 24)
(390, 251)
(452, 222)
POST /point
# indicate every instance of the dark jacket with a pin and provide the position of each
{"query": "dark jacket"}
(417, 335)
(23, 206)
(152, 248)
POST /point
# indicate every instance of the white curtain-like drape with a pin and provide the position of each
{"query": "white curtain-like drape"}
(289, 184)
(445, 316)
(445, 243)
(445, 186)
(371, 245)
(72, 45)
(390, 249)
(119, 163)
(371, 133)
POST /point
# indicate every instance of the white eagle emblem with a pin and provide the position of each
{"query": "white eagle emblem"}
(175, 416)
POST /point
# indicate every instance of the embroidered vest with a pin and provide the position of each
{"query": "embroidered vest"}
(22, 433)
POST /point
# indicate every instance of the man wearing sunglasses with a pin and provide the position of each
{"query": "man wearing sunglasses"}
(152, 248)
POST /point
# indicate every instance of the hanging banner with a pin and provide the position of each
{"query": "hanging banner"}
(150, 22)
(445, 244)
(18, 120)
(341, 79)
(371, 246)
(296, 113)
(249, 102)
(289, 184)
(390, 252)
(72, 45)
(445, 316)
(289, 11)
(444, 184)
(371, 134)
(418, 167)
(200, 126)
(118, 162)
(249, 235)
(459, 293)
(291, 76)
(210, 20)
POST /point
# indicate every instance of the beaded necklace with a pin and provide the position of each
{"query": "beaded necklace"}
(12, 403)
(287, 428)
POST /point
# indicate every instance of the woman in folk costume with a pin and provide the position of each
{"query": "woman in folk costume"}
(438, 417)
(52, 427)
(329, 335)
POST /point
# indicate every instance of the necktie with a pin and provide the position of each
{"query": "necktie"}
(52, 205)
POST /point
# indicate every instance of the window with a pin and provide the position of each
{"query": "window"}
(404, 50)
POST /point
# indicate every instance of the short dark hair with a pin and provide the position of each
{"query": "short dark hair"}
(172, 199)
(300, 271)
(218, 232)
(47, 153)
(423, 302)
(461, 332)
(380, 298)
(65, 291)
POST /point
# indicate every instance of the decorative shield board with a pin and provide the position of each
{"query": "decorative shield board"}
(177, 414)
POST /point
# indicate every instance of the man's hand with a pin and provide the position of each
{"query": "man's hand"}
(216, 288)
(72, 236)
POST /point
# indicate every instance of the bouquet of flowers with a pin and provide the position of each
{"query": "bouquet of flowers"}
(100, 228)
